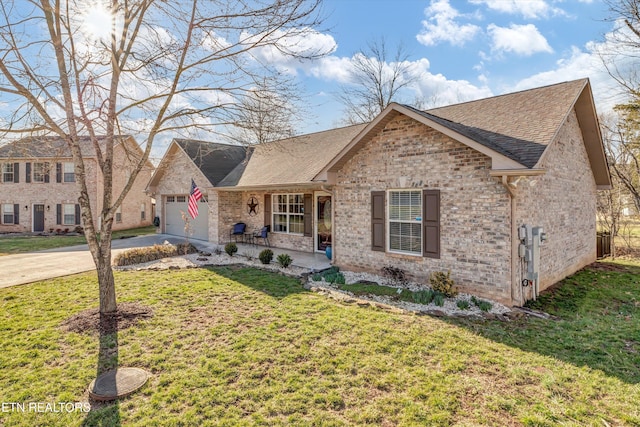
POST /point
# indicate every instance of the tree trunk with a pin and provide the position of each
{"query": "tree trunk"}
(107, 285)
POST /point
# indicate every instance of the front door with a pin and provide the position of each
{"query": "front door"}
(38, 218)
(324, 221)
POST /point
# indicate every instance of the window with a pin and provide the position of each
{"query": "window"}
(68, 172)
(171, 199)
(181, 199)
(7, 172)
(68, 214)
(288, 213)
(143, 214)
(119, 215)
(7, 214)
(405, 221)
(40, 172)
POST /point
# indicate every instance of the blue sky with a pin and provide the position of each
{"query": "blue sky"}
(464, 49)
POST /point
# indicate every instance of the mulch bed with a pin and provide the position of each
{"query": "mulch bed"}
(90, 321)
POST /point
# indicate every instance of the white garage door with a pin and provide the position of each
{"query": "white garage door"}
(174, 224)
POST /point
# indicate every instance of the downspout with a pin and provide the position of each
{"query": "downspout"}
(333, 215)
(514, 242)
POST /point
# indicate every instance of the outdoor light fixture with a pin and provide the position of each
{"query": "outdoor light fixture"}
(26, 208)
(48, 208)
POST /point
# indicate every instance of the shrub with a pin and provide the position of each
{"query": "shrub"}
(266, 256)
(284, 260)
(140, 255)
(422, 297)
(231, 248)
(463, 304)
(438, 299)
(397, 275)
(443, 283)
(340, 280)
(317, 277)
(484, 305)
(186, 248)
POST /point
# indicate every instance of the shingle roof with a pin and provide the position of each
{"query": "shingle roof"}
(522, 151)
(533, 115)
(47, 147)
(291, 161)
(215, 160)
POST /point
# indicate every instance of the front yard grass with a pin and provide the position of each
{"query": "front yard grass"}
(239, 346)
(21, 244)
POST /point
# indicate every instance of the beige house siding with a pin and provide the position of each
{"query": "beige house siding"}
(563, 202)
(475, 208)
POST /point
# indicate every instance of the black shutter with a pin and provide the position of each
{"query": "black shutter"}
(46, 172)
(58, 172)
(308, 215)
(431, 223)
(77, 214)
(16, 172)
(27, 172)
(378, 221)
(267, 209)
(16, 214)
(58, 214)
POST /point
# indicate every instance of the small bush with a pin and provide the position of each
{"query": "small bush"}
(140, 255)
(231, 248)
(186, 248)
(340, 280)
(317, 277)
(284, 260)
(484, 305)
(397, 275)
(266, 256)
(463, 304)
(438, 299)
(443, 283)
(422, 297)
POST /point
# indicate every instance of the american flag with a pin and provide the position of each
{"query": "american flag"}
(194, 196)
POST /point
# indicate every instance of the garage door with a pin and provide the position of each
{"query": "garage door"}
(174, 224)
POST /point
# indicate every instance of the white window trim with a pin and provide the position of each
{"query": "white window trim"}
(13, 172)
(13, 214)
(388, 221)
(65, 214)
(64, 172)
(40, 174)
(274, 203)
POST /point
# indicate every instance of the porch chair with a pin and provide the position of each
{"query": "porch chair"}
(263, 234)
(237, 231)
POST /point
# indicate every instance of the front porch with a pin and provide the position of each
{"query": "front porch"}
(313, 261)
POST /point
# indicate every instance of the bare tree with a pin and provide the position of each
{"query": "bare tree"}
(376, 81)
(621, 52)
(78, 69)
(267, 112)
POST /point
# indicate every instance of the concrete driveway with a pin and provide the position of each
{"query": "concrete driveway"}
(33, 266)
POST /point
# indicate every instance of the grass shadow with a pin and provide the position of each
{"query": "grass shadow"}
(106, 414)
(271, 283)
(598, 326)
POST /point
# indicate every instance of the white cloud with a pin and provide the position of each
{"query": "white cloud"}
(441, 26)
(280, 48)
(530, 9)
(523, 40)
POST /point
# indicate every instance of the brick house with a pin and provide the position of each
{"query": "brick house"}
(445, 189)
(38, 190)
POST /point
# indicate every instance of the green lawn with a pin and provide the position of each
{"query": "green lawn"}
(243, 347)
(20, 244)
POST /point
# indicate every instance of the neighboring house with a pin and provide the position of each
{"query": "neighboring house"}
(441, 190)
(38, 190)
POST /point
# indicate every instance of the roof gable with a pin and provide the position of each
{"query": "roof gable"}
(513, 129)
(214, 160)
(51, 147)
